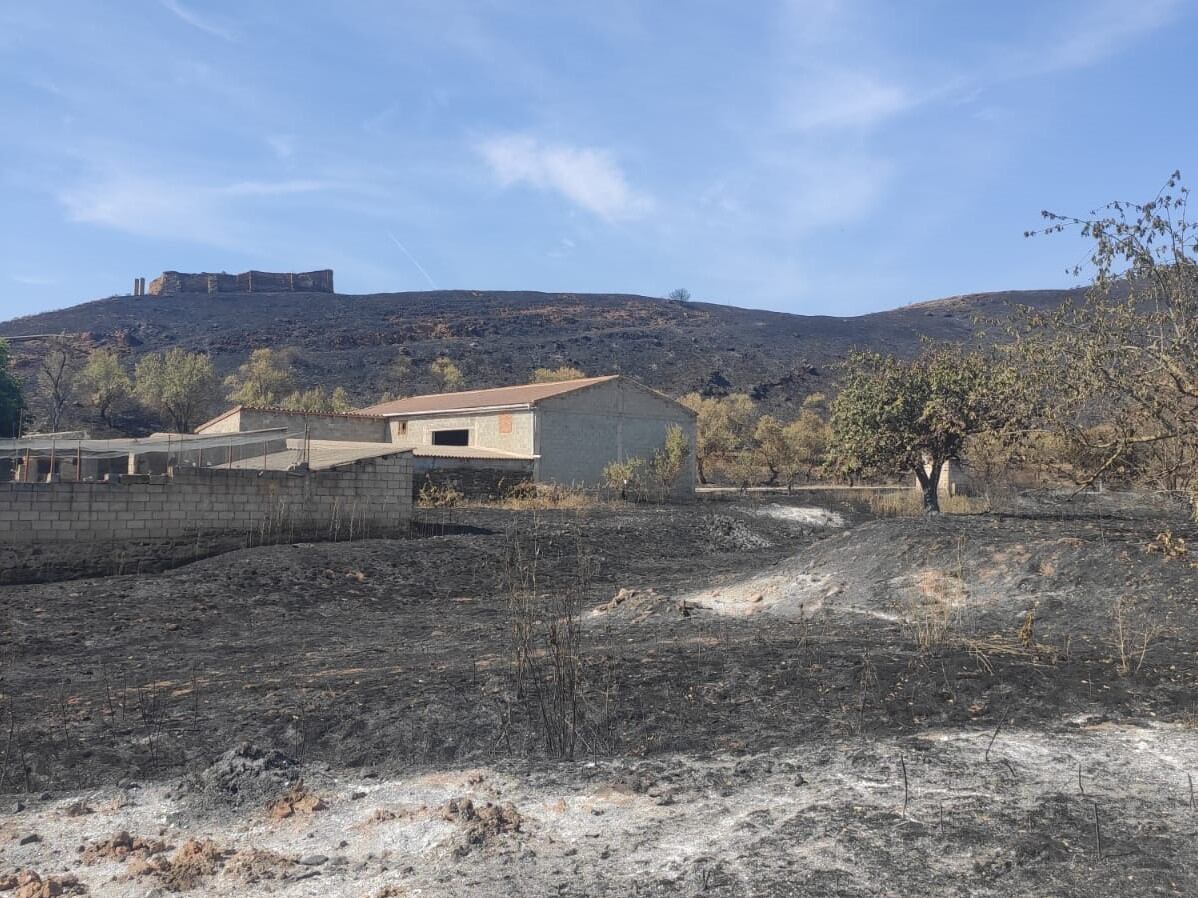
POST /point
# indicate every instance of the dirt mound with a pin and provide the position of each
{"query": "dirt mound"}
(481, 826)
(256, 865)
(247, 773)
(298, 801)
(121, 847)
(30, 884)
(728, 534)
(194, 862)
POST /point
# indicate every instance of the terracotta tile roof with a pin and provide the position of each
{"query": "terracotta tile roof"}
(467, 452)
(498, 397)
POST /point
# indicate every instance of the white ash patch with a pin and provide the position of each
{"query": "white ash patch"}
(807, 516)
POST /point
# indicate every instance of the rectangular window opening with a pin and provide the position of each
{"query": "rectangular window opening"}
(451, 437)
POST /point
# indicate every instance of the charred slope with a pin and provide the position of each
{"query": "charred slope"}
(499, 337)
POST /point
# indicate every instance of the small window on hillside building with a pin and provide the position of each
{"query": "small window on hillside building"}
(451, 437)
(505, 423)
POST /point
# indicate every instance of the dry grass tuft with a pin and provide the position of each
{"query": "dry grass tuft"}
(546, 497)
(909, 504)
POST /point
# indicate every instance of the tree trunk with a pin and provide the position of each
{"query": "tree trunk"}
(929, 483)
(699, 470)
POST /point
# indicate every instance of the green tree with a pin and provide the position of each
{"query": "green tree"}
(12, 402)
(316, 401)
(894, 416)
(396, 376)
(724, 428)
(105, 383)
(808, 435)
(264, 380)
(56, 378)
(179, 385)
(555, 375)
(670, 460)
(446, 375)
(624, 477)
(1115, 376)
(773, 448)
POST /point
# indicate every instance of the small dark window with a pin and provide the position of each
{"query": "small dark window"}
(451, 437)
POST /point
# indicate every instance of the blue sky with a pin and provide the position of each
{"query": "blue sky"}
(810, 156)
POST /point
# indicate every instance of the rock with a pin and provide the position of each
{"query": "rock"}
(297, 801)
(313, 860)
(30, 839)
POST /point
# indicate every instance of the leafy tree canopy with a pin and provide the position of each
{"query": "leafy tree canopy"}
(894, 416)
(179, 385)
(11, 399)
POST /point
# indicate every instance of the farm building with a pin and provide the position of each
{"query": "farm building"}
(564, 432)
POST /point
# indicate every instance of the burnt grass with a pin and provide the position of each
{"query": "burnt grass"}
(394, 653)
(386, 656)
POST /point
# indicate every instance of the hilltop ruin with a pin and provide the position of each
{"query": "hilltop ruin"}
(172, 282)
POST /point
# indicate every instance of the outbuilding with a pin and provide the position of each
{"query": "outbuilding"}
(570, 429)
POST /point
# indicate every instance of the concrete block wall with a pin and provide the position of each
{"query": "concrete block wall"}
(511, 431)
(350, 428)
(578, 434)
(371, 497)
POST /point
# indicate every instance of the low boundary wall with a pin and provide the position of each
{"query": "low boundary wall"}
(372, 497)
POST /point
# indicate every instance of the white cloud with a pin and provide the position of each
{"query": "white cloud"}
(588, 177)
(844, 99)
(197, 22)
(1104, 28)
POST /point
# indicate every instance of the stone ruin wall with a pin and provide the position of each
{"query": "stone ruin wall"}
(170, 283)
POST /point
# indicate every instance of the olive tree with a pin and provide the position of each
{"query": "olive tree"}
(555, 375)
(105, 383)
(895, 416)
(57, 374)
(724, 429)
(318, 401)
(179, 385)
(12, 402)
(265, 380)
(446, 375)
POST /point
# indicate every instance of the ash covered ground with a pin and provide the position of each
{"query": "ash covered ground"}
(776, 699)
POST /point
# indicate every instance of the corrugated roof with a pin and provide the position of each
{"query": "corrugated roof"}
(497, 397)
(466, 452)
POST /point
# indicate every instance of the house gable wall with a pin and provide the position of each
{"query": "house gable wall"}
(580, 433)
